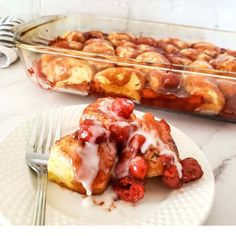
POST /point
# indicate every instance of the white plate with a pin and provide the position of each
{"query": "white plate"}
(189, 205)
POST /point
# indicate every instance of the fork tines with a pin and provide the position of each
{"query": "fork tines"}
(46, 130)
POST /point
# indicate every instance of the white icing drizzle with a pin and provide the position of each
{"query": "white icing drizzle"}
(89, 166)
(87, 202)
(97, 130)
(90, 159)
(121, 123)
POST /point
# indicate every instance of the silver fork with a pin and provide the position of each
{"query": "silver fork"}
(43, 136)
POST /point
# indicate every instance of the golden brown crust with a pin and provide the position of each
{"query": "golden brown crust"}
(119, 81)
(155, 58)
(127, 52)
(178, 59)
(208, 48)
(202, 85)
(166, 46)
(155, 79)
(99, 46)
(62, 43)
(202, 66)
(146, 48)
(225, 63)
(94, 35)
(118, 39)
(63, 72)
(176, 42)
(74, 36)
(146, 40)
(191, 53)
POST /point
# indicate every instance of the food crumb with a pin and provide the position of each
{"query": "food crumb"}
(98, 203)
(31, 71)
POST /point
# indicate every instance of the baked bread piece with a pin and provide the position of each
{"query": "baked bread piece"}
(84, 167)
(225, 62)
(207, 48)
(99, 47)
(119, 81)
(109, 110)
(204, 86)
(118, 39)
(153, 58)
(66, 72)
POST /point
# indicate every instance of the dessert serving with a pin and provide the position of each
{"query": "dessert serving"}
(194, 76)
(114, 147)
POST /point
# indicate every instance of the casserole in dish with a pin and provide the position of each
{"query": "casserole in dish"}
(167, 66)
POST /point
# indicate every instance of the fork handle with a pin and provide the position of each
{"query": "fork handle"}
(40, 204)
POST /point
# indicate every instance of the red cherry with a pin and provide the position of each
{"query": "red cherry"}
(123, 107)
(101, 138)
(138, 167)
(137, 142)
(84, 132)
(118, 133)
(121, 133)
(191, 170)
(171, 81)
(129, 190)
(171, 178)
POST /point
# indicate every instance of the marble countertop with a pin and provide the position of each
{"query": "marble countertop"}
(21, 99)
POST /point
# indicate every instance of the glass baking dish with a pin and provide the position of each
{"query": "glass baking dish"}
(147, 62)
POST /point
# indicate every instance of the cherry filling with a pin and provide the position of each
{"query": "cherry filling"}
(191, 170)
(171, 178)
(166, 160)
(136, 142)
(120, 133)
(129, 189)
(138, 167)
(92, 131)
(123, 107)
(171, 81)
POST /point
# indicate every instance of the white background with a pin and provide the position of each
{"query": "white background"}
(205, 13)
